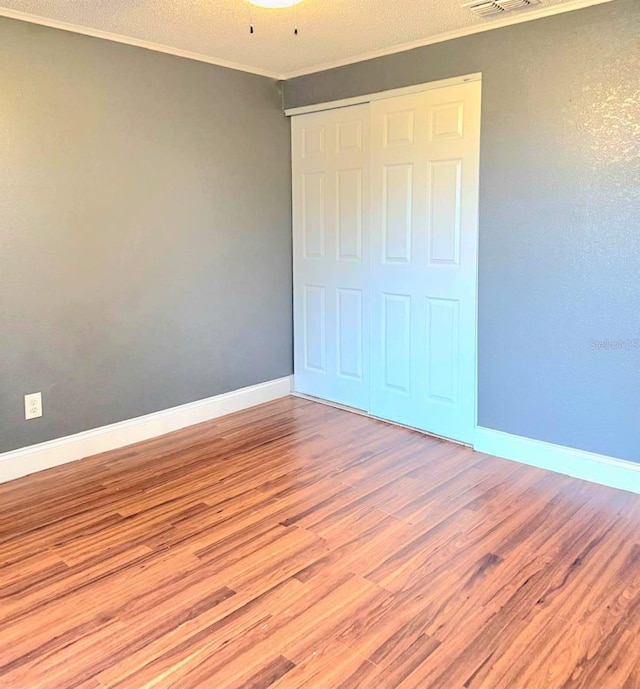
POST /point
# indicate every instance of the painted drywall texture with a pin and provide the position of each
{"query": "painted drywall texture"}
(145, 231)
(559, 263)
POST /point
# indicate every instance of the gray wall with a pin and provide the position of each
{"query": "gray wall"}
(559, 216)
(145, 251)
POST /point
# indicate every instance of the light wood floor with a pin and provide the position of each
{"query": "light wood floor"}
(295, 545)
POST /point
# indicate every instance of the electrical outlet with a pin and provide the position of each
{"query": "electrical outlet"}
(33, 405)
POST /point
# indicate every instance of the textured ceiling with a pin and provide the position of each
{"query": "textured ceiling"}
(329, 30)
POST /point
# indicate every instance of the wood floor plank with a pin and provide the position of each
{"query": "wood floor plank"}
(297, 545)
(327, 666)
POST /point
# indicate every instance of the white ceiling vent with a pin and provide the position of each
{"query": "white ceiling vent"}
(491, 8)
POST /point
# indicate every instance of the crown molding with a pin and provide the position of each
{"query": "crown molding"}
(199, 57)
(448, 36)
(137, 42)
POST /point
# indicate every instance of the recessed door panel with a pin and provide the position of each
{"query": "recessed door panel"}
(398, 128)
(397, 190)
(447, 121)
(349, 214)
(396, 342)
(314, 328)
(444, 207)
(442, 353)
(350, 333)
(313, 217)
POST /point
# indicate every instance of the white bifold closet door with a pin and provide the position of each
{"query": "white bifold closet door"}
(385, 257)
(331, 250)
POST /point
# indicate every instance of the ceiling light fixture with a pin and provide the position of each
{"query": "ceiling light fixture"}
(274, 4)
(271, 5)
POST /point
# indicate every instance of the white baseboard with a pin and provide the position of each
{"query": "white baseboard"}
(588, 466)
(34, 458)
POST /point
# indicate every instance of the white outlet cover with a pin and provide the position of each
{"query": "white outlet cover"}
(33, 405)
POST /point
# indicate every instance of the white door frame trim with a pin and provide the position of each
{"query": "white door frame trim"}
(382, 95)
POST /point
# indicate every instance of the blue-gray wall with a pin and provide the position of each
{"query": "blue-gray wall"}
(145, 231)
(559, 280)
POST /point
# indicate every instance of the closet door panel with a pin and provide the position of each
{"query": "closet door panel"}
(425, 160)
(331, 217)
